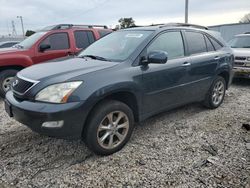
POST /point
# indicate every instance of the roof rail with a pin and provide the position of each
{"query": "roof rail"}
(67, 26)
(183, 25)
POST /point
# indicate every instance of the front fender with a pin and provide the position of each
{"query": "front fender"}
(15, 60)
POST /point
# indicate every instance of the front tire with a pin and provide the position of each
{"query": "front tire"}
(109, 128)
(6, 77)
(216, 93)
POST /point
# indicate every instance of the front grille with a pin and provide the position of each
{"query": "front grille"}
(20, 86)
(240, 58)
(239, 63)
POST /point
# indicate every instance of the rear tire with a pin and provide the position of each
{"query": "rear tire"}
(216, 93)
(5, 79)
(109, 127)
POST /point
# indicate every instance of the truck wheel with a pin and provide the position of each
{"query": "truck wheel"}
(109, 128)
(216, 93)
(5, 79)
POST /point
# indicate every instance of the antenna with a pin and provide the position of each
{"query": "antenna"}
(14, 33)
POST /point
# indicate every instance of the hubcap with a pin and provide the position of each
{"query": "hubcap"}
(113, 130)
(6, 83)
(218, 92)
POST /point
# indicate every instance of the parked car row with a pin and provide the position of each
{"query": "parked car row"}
(50, 43)
(122, 78)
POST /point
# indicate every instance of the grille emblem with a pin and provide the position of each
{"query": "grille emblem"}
(15, 83)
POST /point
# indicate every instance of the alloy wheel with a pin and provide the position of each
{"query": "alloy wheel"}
(6, 83)
(218, 92)
(113, 130)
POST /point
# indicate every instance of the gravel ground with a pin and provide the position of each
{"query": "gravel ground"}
(186, 147)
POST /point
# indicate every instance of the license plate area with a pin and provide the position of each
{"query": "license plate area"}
(8, 108)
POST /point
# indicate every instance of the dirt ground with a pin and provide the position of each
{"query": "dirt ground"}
(186, 147)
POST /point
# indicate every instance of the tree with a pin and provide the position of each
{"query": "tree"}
(29, 33)
(126, 22)
(245, 19)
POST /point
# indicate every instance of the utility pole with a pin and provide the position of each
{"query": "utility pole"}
(186, 11)
(14, 34)
(21, 18)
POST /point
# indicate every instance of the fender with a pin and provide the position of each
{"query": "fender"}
(92, 98)
(15, 60)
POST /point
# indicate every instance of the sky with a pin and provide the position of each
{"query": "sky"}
(40, 13)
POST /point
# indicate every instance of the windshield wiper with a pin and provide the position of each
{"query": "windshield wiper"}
(95, 57)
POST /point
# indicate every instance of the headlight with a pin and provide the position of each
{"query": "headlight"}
(248, 59)
(57, 93)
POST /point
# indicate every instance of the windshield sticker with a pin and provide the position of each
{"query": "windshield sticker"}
(135, 35)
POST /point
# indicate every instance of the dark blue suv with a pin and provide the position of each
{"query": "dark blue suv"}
(124, 77)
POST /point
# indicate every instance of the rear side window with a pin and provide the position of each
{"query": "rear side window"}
(83, 38)
(216, 45)
(57, 41)
(103, 33)
(170, 42)
(196, 42)
(209, 44)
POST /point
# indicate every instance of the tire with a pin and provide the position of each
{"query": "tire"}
(217, 90)
(5, 78)
(99, 127)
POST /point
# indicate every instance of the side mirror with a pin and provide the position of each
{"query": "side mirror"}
(157, 57)
(44, 47)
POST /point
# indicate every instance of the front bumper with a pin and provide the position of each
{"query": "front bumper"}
(34, 114)
(241, 72)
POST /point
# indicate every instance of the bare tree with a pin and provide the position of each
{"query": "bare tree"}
(245, 19)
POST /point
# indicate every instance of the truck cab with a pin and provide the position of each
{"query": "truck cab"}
(52, 42)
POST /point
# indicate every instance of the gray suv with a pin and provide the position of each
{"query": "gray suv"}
(124, 77)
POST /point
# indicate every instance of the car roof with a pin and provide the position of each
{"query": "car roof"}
(180, 26)
(168, 26)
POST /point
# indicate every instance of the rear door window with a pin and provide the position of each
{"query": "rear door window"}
(103, 33)
(57, 41)
(216, 44)
(170, 42)
(196, 42)
(83, 38)
(209, 44)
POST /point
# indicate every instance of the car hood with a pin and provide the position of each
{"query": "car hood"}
(68, 69)
(241, 51)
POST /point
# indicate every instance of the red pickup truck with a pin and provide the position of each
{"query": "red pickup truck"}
(49, 43)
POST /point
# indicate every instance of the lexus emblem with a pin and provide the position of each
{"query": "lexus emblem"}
(15, 83)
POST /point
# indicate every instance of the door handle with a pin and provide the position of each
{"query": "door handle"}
(185, 64)
(217, 58)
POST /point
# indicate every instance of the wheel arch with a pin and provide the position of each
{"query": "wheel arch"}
(124, 96)
(225, 74)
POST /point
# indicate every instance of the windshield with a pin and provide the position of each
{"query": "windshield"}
(28, 42)
(240, 42)
(116, 46)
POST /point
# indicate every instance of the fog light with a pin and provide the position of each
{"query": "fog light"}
(53, 124)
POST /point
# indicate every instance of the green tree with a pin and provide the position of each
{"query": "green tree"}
(126, 22)
(29, 33)
(245, 19)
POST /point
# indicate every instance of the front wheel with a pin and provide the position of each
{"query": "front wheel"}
(6, 77)
(216, 93)
(109, 128)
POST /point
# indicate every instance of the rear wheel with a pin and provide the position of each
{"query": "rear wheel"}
(216, 93)
(6, 77)
(110, 127)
